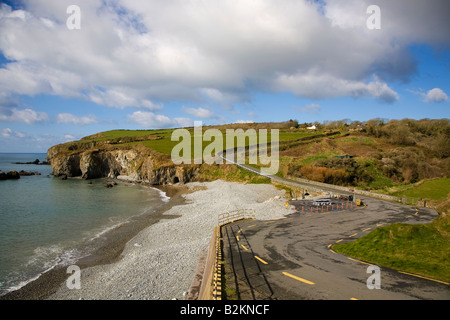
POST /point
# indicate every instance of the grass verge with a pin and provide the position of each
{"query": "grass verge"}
(436, 189)
(417, 248)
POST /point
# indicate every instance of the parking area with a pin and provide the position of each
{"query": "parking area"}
(293, 258)
(322, 204)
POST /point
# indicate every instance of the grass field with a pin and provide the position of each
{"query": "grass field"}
(436, 189)
(160, 140)
(420, 248)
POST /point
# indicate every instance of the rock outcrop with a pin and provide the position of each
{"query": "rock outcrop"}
(10, 175)
(105, 160)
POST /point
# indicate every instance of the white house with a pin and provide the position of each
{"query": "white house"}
(313, 127)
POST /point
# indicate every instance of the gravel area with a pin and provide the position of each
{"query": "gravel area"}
(160, 262)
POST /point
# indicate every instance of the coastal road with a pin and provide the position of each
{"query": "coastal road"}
(293, 258)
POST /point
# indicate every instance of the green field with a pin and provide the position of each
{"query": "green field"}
(436, 189)
(160, 140)
(419, 248)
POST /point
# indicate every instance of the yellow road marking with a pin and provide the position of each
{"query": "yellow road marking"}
(298, 278)
(253, 225)
(261, 260)
(359, 261)
(353, 235)
(333, 251)
(329, 245)
(244, 247)
(339, 240)
(353, 299)
(237, 238)
(366, 229)
(415, 275)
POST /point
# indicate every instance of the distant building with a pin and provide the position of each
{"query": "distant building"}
(313, 127)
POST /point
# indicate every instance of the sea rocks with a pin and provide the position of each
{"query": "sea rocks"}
(10, 175)
(110, 184)
(13, 175)
(35, 162)
(28, 173)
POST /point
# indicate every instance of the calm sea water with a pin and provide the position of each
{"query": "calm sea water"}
(44, 221)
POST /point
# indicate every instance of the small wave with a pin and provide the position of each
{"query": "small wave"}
(105, 230)
(164, 197)
(44, 259)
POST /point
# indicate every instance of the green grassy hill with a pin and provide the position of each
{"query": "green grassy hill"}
(389, 157)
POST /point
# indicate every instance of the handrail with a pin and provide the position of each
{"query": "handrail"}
(235, 215)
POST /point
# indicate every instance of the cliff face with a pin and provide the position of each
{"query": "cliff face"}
(100, 160)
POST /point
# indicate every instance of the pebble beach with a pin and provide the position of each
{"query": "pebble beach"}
(160, 262)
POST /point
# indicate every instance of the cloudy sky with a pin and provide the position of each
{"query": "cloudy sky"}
(129, 64)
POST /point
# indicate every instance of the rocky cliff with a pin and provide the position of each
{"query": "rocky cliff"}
(91, 160)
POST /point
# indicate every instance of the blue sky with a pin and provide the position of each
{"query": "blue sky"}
(143, 65)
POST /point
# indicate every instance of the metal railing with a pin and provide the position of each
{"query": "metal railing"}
(232, 216)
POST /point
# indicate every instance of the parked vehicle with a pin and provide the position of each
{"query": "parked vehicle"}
(322, 202)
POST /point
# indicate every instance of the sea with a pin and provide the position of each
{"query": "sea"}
(46, 221)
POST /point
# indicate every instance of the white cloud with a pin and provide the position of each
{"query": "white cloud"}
(69, 137)
(435, 95)
(311, 108)
(201, 113)
(151, 120)
(318, 85)
(27, 116)
(142, 53)
(121, 98)
(8, 133)
(72, 119)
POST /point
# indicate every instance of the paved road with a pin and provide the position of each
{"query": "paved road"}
(292, 258)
